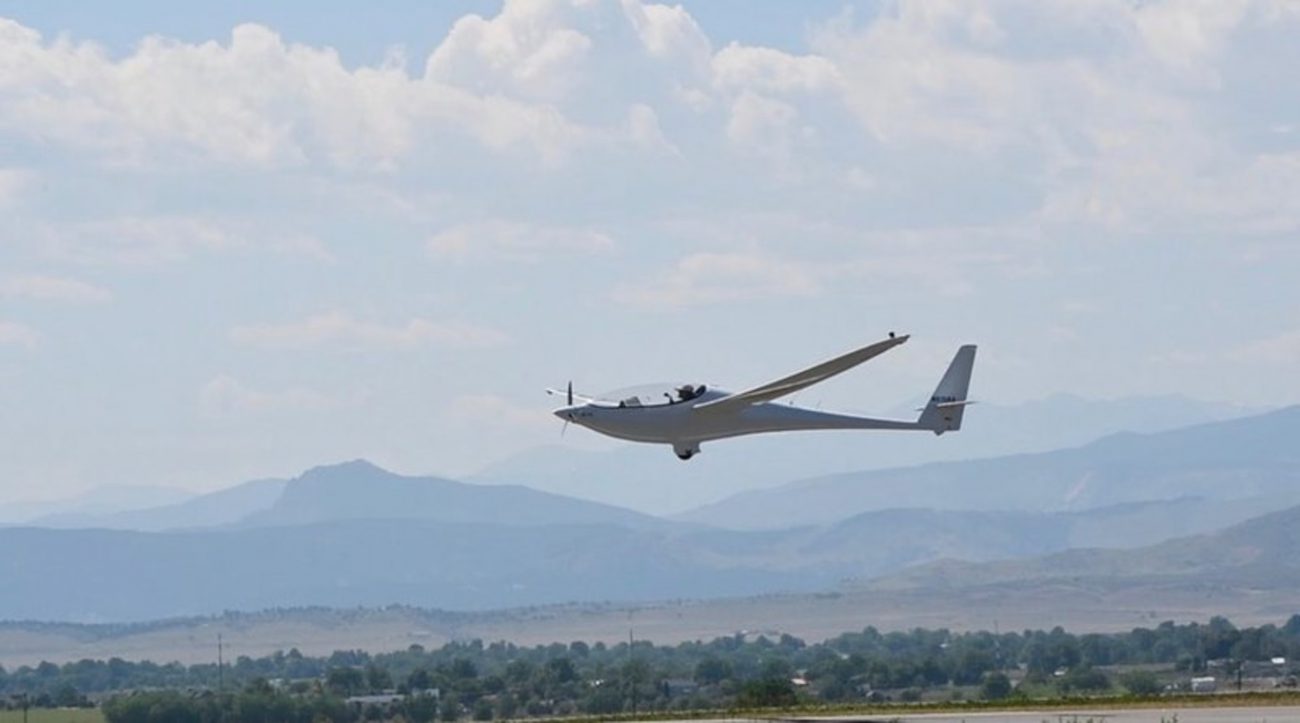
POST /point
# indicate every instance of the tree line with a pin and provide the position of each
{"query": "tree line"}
(484, 681)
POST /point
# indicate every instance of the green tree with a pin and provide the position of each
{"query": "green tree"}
(449, 710)
(562, 670)
(767, 693)
(345, 681)
(1088, 680)
(712, 670)
(419, 679)
(463, 669)
(421, 708)
(603, 700)
(1140, 682)
(378, 678)
(996, 686)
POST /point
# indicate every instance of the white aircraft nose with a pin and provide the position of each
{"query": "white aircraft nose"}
(565, 413)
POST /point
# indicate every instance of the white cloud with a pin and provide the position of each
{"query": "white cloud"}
(337, 329)
(225, 396)
(1278, 350)
(644, 131)
(742, 67)
(1282, 349)
(528, 50)
(1121, 116)
(546, 76)
(1183, 35)
(52, 288)
(515, 242)
(762, 126)
(136, 241)
(917, 75)
(668, 32)
(149, 241)
(945, 261)
(12, 183)
(255, 100)
(11, 332)
(708, 278)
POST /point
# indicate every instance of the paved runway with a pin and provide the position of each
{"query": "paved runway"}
(1279, 714)
(1227, 714)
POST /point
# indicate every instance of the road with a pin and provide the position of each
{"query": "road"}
(1258, 714)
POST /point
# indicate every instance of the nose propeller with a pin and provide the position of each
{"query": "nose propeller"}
(568, 417)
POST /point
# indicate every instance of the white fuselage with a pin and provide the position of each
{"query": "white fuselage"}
(684, 427)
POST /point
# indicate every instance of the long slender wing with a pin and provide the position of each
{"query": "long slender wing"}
(585, 399)
(805, 378)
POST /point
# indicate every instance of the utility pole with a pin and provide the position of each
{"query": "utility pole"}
(997, 647)
(631, 668)
(221, 675)
(221, 680)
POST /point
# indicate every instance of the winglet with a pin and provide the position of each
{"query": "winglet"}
(944, 411)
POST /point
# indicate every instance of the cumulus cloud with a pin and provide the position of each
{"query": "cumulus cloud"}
(515, 242)
(515, 80)
(52, 288)
(528, 50)
(13, 333)
(338, 329)
(1127, 116)
(759, 69)
(255, 100)
(549, 77)
(761, 125)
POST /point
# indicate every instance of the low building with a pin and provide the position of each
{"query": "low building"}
(385, 702)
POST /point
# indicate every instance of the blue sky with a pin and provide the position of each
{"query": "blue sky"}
(237, 241)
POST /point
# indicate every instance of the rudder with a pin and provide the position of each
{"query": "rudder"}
(944, 411)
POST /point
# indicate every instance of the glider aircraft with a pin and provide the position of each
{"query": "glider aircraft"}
(685, 415)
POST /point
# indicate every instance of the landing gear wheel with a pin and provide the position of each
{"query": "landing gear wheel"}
(686, 450)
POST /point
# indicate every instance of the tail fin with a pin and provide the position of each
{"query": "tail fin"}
(943, 412)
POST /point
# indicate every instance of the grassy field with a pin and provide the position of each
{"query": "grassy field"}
(61, 715)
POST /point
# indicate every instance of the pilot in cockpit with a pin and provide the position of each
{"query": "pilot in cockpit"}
(686, 392)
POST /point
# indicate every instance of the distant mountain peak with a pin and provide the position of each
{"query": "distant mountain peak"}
(351, 469)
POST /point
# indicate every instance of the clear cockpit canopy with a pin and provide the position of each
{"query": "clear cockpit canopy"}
(652, 395)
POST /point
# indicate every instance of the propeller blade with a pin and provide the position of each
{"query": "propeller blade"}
(570, 393)
(565, 428)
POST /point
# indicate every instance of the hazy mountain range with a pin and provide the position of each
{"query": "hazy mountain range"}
(92, 504)
(353, 534)
(1257, 554)
(1233, 460)
(649, 478)
(207, 510)
(1247, 572)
